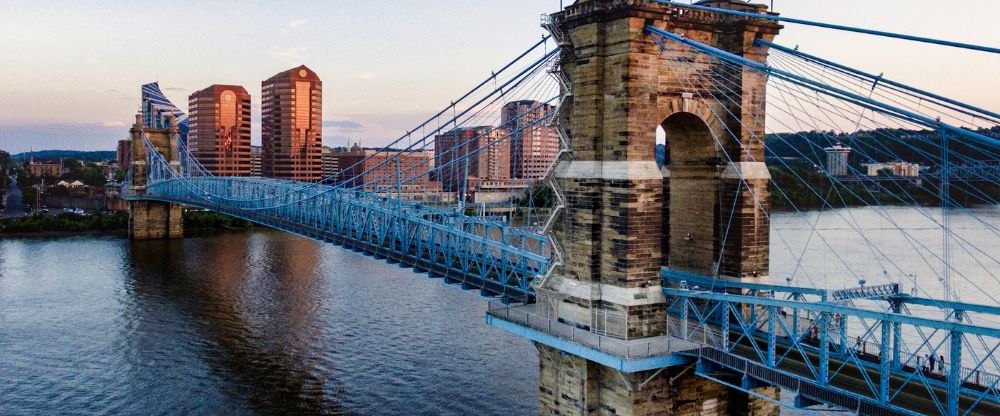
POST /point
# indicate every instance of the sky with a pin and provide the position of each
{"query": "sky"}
(70, 71)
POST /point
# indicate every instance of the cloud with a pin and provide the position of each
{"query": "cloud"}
(113, 123)
(348, 125)
(297, 22)
(366, 75)
(291, 54)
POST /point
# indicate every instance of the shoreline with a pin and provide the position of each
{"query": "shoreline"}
(116, 233)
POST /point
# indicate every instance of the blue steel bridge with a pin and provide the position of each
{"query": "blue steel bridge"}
(847, 319)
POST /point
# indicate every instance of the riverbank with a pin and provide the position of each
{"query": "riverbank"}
(114, 223)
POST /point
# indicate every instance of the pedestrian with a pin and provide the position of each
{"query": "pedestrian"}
(926, 361)
(931, 363)
(920, 365)
(941, 364)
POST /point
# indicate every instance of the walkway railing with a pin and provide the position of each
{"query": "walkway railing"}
(627, 349)
(971, 376)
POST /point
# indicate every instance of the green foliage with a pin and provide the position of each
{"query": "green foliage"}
(65, 223)
(75, 154)
(92, 176)
(194, 222)
(881, 145)
(804, 189)
(5, 164)
(208, 221)
(538, 196)
(25, 178)
(29, 195)
(72, 165)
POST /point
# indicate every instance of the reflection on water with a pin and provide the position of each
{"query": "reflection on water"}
(265, 322)
(260, 323)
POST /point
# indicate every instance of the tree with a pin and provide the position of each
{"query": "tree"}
(92, 176)
(72, 164)
(4, 165)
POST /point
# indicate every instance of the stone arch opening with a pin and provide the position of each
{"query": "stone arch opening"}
(691, 198)
(689, 140)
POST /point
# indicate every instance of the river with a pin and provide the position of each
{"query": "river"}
(245, 323)
(264, 322)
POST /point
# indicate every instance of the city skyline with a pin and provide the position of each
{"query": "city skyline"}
(377, 86)
(659, 208)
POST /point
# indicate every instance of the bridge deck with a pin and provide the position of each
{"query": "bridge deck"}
(625, 355)
(665, 351)
(846, 376)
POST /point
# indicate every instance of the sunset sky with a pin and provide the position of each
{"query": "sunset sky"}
(70, 71)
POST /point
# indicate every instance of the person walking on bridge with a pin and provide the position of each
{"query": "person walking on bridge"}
(931, 364)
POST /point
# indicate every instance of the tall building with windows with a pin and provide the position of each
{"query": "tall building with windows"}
(256, 156)
(486, 149)
(837, 160)
(219, 129)
(381, 170)
(292, 125)
(156, 108)
(533, 144)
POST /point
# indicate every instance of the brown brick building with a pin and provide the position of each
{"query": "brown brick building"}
(533, 144)
(219, 135)
(488, 155)
(292, 125)
(40, 167)
(381, 173)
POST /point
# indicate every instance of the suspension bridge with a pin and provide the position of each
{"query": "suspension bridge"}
(740, 269)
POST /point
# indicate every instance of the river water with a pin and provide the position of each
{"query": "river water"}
(265, 322)
(245, 323)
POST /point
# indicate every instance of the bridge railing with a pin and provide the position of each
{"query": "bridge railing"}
(499, 260)
(972, 376)
(756, 328)
(627, 349)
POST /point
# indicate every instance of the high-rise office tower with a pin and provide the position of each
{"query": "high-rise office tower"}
(292, 125)
(219, 129)
(256, 157)
(533, 144)
(837, 158)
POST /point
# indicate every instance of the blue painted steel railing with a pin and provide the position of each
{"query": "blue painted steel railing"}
(868, 357)
(500, 260)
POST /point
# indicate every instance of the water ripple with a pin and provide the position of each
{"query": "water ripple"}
(256, 323)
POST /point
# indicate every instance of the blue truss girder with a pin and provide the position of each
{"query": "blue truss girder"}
(500, 260)
(745, 319)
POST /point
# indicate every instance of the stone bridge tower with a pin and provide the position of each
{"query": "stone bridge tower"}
(153, 219)
(626, 217)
